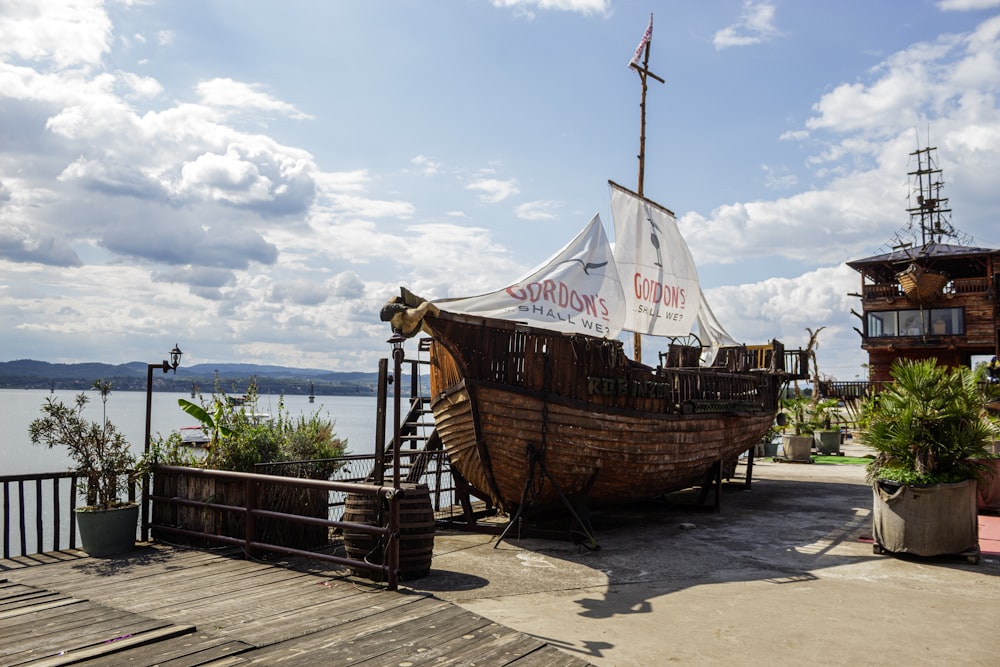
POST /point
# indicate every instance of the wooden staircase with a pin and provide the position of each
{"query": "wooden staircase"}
(417, 434)
(421, 453)
(417, 437)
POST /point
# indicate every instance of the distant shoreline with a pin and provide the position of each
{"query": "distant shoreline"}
(231, 378)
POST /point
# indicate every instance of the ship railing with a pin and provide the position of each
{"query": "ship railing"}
(771, 357)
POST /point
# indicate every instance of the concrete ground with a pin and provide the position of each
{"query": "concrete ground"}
(785, 574)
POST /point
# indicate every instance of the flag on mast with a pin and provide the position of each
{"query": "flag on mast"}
(646, 36)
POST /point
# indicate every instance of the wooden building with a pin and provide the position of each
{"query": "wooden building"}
(935, 297)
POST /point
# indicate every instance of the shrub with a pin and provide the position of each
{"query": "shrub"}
(242, 437)
(928, 425)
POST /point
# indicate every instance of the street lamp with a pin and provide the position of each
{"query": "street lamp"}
(398, 354)
(166, 366)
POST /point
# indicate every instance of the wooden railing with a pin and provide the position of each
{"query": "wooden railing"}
(968, 286)
(883, 291)
(38, 512)
(977, 285)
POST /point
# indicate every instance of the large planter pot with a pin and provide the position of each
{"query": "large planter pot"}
(932, 520)
(107, 532)
(988, 487)
(771, 448)
(797, 447)
(827, 442)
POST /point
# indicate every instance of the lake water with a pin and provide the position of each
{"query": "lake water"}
(354, 418)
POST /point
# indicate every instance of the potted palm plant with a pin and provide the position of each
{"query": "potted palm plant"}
(928, 427)
(797, 445)
(827, 435)
(104, 460)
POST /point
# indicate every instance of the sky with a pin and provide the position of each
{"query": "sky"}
(252, 180)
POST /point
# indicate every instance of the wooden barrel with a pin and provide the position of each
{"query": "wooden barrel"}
(416, 531)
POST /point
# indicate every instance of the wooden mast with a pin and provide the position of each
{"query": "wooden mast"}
(643, 74)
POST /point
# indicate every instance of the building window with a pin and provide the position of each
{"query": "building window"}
(934, 322)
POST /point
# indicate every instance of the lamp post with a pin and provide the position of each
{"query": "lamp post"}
(397, 357)
(166, 366)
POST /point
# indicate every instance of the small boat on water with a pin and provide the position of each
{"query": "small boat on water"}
(535, 401)
(195, 436)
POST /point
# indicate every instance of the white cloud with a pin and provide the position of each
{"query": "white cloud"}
(526, 7)
(967, 5)
(427, 166)
(225, 93)
(494, 190)
(66, 33)
(141, 86)
(537, 210)
(755, 26)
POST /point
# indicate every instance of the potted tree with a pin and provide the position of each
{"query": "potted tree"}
(104, 460)
(928, 427)
(797, 445)
(826, 434)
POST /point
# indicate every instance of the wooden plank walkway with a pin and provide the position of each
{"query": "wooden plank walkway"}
(178, 607)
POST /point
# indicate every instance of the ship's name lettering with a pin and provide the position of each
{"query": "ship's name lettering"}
(562, 295)
(598, 386)
(654, 291)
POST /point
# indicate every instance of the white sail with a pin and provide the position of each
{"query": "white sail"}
(658, 275)
(577, 290)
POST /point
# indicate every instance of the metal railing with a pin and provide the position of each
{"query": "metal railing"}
(252, 510)
(418, 466)
(38, 509)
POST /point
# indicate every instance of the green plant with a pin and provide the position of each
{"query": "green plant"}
(928, 425)
(102, 455)
(241, 437)
(806, 416)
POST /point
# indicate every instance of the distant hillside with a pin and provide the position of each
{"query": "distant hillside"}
(31, 374)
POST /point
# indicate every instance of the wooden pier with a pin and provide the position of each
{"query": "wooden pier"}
(167, 606)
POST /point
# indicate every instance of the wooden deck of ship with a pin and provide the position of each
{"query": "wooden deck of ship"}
(171, 606)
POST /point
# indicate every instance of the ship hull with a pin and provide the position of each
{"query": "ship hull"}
(531, 418)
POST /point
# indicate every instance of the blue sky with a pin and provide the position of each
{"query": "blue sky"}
(252, 180)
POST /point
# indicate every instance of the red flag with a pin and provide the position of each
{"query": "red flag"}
(646, 36)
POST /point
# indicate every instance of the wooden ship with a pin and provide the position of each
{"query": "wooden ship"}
(933, 297)
(535, 401)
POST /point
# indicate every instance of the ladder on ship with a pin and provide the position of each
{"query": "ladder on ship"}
(422, 458)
